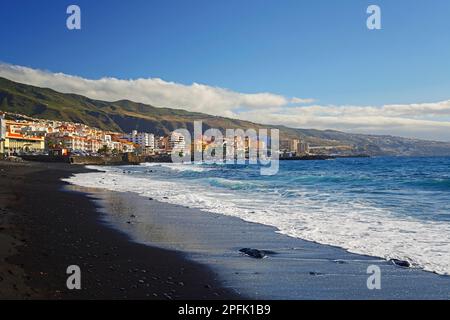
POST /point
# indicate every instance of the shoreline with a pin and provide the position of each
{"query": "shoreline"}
(294, 268)
(132, 247)
(48, 229)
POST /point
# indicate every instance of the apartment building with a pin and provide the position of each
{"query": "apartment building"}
(177, 142)
(294, 146)
(2, 133)
(17, 143)
(143, 139)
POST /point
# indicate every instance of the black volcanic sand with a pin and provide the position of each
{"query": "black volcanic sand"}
(43, 230)
(294, 269)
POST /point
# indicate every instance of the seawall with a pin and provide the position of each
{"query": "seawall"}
(123, 159)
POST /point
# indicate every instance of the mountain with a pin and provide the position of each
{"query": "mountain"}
(125, 116)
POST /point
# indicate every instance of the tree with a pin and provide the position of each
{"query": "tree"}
(104, 150)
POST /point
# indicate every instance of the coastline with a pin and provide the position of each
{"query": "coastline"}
(133, 247)
(295, 269)
(45, 229)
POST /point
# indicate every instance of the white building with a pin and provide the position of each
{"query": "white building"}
(145, 140)
(107, 140)
(2, 133)
(35, 129)
(177, 142)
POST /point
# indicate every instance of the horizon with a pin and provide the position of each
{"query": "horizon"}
(395, 79)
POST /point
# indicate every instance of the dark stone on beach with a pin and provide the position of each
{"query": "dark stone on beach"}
(71, 223)
(401, 263)
(254, 253)
(168, 297)
(339, 261)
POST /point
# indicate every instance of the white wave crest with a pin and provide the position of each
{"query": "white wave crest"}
(353, 225)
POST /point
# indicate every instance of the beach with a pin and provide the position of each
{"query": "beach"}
(294, 269)
(45, 229)
(134, 247)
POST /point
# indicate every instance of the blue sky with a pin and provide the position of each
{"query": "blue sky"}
(318, 49)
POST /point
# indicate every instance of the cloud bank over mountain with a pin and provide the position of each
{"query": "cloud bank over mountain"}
(420, 120)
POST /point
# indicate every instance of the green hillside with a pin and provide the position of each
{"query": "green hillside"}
(125, 116)
(122, 116)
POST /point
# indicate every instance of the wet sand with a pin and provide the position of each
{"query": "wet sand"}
(133, 247)
(44, 229)
(296, 269)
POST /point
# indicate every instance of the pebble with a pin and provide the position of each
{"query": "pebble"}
(167, 296)
(401, 263)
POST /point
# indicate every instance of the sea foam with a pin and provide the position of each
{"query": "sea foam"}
(353, 224)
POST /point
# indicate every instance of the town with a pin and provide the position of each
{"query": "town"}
(23, 136)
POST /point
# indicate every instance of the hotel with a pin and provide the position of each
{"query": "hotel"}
(15, 140)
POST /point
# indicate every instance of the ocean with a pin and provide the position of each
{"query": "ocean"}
(386, 207)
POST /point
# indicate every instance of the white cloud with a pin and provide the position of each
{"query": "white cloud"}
(301, 101)
(420, 120)
(427, 120)
(157, 92)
